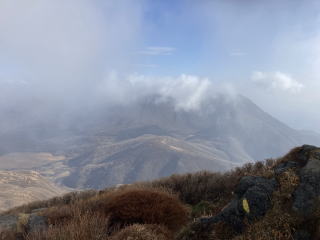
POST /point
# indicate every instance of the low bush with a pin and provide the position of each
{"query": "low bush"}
(83, 226)
(145, 206)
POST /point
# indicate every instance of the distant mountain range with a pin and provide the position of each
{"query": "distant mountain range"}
(152, 138)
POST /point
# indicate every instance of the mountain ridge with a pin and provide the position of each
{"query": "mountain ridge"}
(124, 143)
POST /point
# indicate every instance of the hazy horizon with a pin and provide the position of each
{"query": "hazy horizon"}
(72, 55)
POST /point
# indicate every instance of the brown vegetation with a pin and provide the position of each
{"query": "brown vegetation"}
(157, 210)
(82, 226)
(145, 206)
(143, 232)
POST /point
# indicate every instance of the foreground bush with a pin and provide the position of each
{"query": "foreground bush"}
(145, 206)
(81, 227)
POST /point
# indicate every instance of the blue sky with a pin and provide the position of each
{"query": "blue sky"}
(266, 50)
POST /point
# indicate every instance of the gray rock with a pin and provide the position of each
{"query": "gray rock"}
(259, 202)
(313, 166)
(304, 154)
(282, 167)
(8, 222)
(257, 191)
(36, 223)
(302, 235)
(306, 195)
(250, 181)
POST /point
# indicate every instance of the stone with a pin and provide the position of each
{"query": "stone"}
(285, 166)
(8, 222)
(249, 181)
(302, 235)
(252, 199)
(306, 195)
(36, 223)
(308, 192)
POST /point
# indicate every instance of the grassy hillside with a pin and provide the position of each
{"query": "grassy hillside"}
(19, 187)
(275, 199)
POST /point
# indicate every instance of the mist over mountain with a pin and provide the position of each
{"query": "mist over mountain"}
(152, 137)
(98, 93)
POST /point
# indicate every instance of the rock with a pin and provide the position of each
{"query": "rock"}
(306, 195)
(257, 192)
(302, 235)
(233, 215)
(36, 223)
(250, 181)
(23, 223)
(8, 222)
(304, 154)
(259, 202)
(282, 167)
(253, 199)
(313, 166)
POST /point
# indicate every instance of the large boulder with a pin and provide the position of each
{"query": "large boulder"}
(252, 200)
(306, 196)
(23, 223)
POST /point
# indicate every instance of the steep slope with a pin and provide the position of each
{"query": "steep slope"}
(17, 188)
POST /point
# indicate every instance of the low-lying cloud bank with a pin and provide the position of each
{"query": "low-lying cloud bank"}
(277, 81)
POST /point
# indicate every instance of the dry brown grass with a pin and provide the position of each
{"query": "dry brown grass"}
(137, 211)
(122, 207)
(145, 206)
(143, 232)
(193, 188)
(9, 235)
(83, 226)
(69, 198)
(295, 156)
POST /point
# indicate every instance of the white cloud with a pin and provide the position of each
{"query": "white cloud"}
(62, 48)
(157, 51)
(277, 81)
(187, 91)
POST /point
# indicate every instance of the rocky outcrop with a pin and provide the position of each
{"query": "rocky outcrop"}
(252, 200)
(307, 194)
(21, 223)
(253, 194)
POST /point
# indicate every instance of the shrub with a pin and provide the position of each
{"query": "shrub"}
(81, 227)
(145, 206)
(203, 208)
(193, 188)
(202, 186)
(143, 232)
(9, 235)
